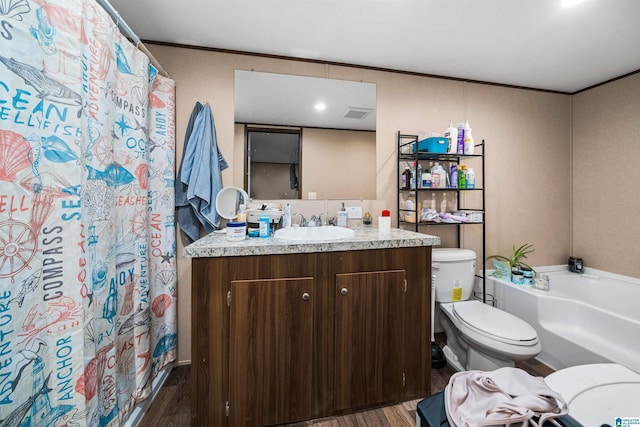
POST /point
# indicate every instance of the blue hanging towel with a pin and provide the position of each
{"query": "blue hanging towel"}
(187, 219)
(200, 173)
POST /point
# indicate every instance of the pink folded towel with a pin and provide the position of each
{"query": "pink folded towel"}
(504, 397)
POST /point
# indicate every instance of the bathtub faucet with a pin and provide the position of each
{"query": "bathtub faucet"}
(541, 281)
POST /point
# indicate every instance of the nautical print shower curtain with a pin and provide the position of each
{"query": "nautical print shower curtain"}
(87, 230)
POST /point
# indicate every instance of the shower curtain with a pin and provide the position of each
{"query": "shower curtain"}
(87, 229)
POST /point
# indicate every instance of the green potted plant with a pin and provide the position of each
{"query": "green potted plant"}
(505, 266)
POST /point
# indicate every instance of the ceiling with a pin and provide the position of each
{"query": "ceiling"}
(310, 101)
(529, 43)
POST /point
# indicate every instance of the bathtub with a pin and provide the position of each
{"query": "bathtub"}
(584, 318)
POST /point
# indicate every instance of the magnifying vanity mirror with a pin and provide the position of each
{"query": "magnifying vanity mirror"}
(231, 202)
(333, 122)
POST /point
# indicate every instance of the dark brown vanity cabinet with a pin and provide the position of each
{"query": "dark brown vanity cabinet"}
(285, 338)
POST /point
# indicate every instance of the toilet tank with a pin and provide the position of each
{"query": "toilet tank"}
(451, 265)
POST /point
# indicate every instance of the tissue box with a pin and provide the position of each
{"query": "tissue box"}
(434, 144)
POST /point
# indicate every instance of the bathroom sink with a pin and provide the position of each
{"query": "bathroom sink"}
(304, 234)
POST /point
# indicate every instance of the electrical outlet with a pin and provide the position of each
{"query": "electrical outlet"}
(311, 195)
(354, 212)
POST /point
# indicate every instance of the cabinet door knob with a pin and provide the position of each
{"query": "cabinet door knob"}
(306, 296)
(344, 291)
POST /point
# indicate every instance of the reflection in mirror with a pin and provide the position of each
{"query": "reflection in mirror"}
(273, 160)
(336, 149)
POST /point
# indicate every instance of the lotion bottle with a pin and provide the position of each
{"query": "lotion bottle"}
(384, 222)
(468, 139)
(451, 133)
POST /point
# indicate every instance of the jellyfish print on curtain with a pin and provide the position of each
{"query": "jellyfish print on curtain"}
(87, 230)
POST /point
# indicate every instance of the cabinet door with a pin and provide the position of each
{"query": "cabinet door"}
(270, 351)
(369, 333)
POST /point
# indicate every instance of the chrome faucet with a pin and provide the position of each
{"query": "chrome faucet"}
(321, 221)
(313, 221)
(303, 221)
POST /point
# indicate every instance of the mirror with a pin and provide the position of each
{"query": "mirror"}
(337, 158)
(231, 202)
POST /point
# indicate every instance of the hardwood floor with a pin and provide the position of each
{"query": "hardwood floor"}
(172, 404)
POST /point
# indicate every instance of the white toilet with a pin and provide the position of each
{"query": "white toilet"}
(479, 336)
(599, 394)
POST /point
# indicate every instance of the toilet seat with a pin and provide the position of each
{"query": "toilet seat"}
(497, 332)
(494, 323)
(598, 393)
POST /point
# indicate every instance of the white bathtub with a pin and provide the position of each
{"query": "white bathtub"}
(584, 318)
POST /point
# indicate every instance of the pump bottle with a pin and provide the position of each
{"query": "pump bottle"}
(469, 146)
(451, 133)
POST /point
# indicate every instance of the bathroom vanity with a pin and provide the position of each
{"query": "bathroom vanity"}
(285, 331)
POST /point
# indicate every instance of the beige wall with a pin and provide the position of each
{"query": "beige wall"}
(338, 164)
(527, 135)
(605, 155)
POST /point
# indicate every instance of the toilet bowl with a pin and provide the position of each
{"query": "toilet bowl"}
(599, 394)
(479, 336)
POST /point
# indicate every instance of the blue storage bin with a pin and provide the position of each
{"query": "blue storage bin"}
(435, 144)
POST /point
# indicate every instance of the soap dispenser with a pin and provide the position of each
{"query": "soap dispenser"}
(286, 217)
(342, 217)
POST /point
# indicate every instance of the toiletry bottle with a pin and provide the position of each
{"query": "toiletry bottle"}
(471, 178)
(366, 218)
(413, 176)
(469, 146)
(286, 217)
(384, 222)
(444, 177)
(460, 147)
(342, 217)
(454, 176)
(451, 133)
(432, 204)
(405, 179)
(264, 226)
(410, 213)
(462, 177)
(426, 179)
(419, 176)
(435, 177)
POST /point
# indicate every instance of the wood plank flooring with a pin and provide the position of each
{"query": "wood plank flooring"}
(172, 404)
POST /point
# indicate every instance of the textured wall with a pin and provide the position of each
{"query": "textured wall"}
(605, 154)
(527, 134)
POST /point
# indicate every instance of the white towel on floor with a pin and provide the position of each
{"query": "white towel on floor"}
(506, 396)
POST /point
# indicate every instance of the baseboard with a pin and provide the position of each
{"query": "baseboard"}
(141, 408)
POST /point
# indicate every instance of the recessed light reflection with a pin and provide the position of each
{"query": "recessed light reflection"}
(320, 106)
(569, 3)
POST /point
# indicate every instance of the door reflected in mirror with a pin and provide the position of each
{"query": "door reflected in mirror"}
(335, 147)
(273, 160)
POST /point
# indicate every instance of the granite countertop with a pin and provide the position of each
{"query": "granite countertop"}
(217, 245)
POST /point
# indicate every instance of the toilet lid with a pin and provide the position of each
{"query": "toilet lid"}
(598, 393)
(495, 323)
(602, 404)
